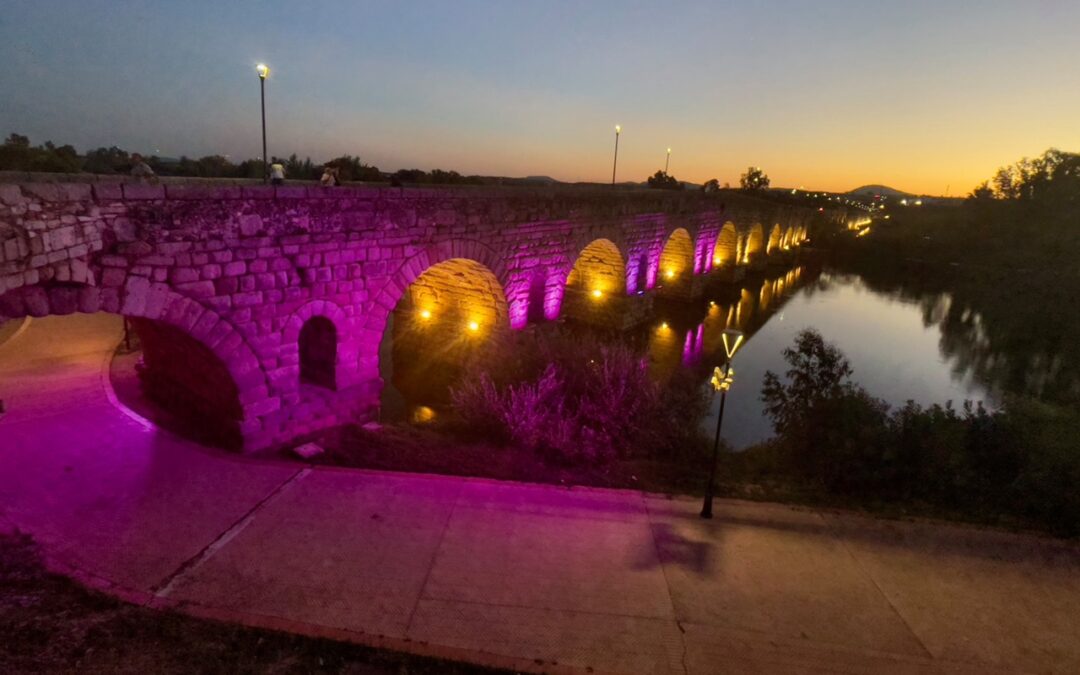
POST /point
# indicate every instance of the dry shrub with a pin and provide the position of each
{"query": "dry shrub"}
(578, 398)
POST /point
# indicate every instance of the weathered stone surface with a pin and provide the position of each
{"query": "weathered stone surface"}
(245, 266)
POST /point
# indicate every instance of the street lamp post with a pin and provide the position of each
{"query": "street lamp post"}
(721, 382)
(615, 164)
(667, 161)
(263, 71)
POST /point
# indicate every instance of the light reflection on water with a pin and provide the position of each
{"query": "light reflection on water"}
(894, 354)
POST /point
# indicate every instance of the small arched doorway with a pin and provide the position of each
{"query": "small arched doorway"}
(317, 345)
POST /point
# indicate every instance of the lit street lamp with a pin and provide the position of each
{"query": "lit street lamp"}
(618, 130)
(667, 161)
(263, 71)
(721, 382)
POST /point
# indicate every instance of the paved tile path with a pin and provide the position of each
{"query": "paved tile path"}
(616, 581)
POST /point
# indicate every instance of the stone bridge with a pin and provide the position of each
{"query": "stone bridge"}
(263, 310)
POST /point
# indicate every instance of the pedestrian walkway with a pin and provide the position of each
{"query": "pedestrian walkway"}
(532, 576)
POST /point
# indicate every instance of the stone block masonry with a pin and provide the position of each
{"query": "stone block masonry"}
(240, 268)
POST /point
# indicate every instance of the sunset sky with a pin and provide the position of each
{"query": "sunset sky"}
(921, 96)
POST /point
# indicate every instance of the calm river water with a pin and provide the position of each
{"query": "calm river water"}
(895, 346)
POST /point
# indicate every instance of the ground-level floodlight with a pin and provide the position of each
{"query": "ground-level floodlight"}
(721, 381)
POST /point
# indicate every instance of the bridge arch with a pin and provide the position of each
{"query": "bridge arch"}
(447, 305)
(676, 268)
(597, 277)
(776, 238)
(411, 268)
(238, 386)
(726, 251)
(755, 243)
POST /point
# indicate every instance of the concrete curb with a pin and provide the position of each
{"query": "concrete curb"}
(18, 331)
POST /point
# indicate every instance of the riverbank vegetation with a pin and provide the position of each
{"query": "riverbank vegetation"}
(587, 413)
(575, 397)
(1018, 464)
(17, 153)
(998, 276)
(550, 405)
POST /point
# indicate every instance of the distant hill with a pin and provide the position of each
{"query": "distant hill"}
(871, 190)
(541, 179)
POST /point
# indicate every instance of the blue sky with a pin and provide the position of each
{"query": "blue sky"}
(921, 95)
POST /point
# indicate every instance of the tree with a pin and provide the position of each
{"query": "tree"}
(403, 176)
(1005, 186)
(818, 371)
(298, 170)
(1053, 176)
(832, 431)
(711, 185)
(982, 192)
(663, 181)
(107, 160)
(754, 179)
(16, 154)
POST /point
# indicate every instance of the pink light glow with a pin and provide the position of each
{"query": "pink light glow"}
(653, 270)
(519, 312)
(631, 271)
(553, 296)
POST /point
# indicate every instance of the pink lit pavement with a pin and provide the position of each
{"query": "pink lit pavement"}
(521, 576)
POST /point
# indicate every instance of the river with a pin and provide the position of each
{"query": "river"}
(894, 345)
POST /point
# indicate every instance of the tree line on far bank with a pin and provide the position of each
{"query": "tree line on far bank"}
(18, 154)
(1052, 177)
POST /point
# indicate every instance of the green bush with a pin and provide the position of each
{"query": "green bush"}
(1019, 462)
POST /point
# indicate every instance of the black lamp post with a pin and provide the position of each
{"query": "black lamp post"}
(615, 164)
(721, 382)
(263, 71)
(667, 161)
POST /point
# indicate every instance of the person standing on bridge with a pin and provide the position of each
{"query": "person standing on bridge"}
(330, 176)
(277, 172)
(141, 170)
